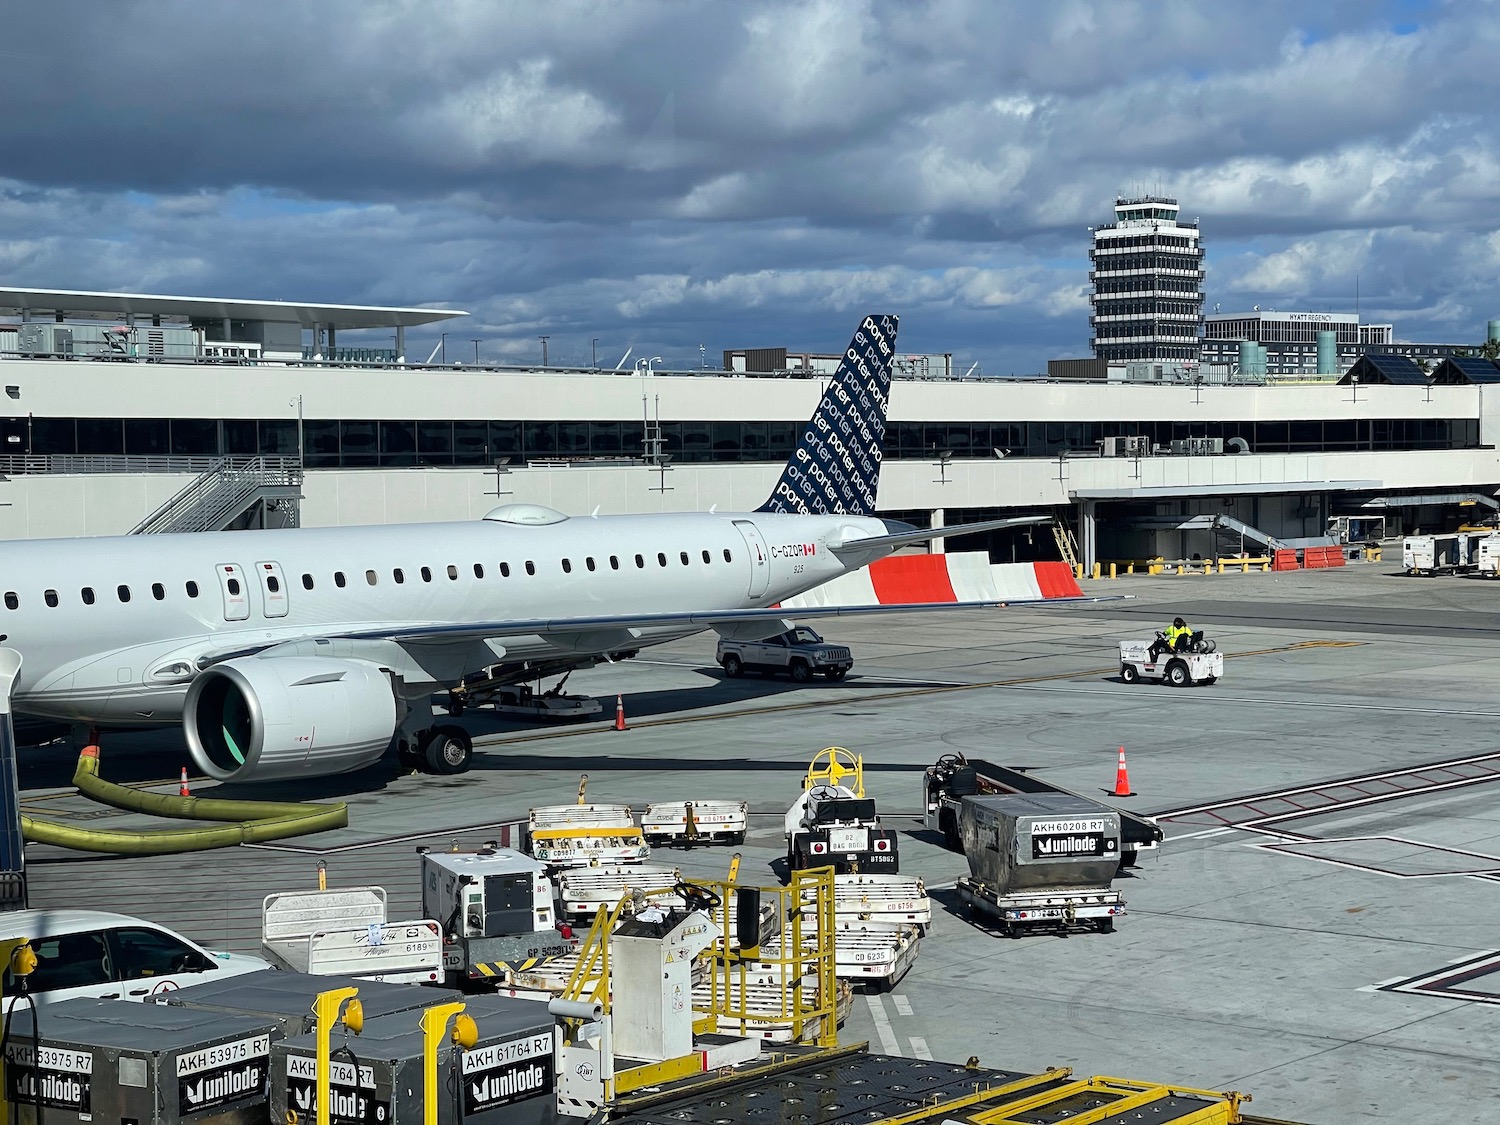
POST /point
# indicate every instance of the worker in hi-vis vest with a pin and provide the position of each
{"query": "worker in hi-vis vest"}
(1175, 636)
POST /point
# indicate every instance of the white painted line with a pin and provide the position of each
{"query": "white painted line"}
(903, 1005)
(888, 1043)
(920, 1049)
(1204, 835)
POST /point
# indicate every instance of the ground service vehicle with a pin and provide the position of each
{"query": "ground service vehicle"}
(580, 834)
(833, 824)
(1487, 561)
(345, 932)
(1198, 663)
(799, 652)
(497, 914)
(1438, 554)
(111, 956)
(1041, 860)
(954, 777)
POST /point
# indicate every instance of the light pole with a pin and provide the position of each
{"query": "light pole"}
(544, 340)
(596, 353)
(476, 351)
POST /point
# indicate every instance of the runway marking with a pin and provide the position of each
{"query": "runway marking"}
(903, 1005)
(920, 1049)
(1446, 982)
(889, 1044)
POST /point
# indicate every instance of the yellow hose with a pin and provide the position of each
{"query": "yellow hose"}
(254, 821)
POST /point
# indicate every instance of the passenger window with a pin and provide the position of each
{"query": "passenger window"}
(233, 586)
(505, 570)
(148, 953)
(273, 583)
(124, 593)
(452, 573)
(12, 602)
(567, 566)
(338, 580)
(661, 558)
(589, 562)
(68, 961)
(614, 562)
(530, 567)
(684, 558)
(159, 592)
(398, 575)
(478, 570)
(87, 593)
(192, 589)
(307, 583)
(707, 558)
(727, 556)
(370, 577)
(640, 563)
(426, 574)
(50, 597)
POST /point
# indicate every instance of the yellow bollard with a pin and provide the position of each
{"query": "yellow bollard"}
(434, 1030)
(1096, 571)
(1130, 568)
(329, 1008)
(1112, 570)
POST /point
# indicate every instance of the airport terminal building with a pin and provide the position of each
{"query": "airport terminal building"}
(155, 413)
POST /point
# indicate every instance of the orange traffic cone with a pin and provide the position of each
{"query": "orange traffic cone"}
(620, 713)
(1122, 778)
(182, 788)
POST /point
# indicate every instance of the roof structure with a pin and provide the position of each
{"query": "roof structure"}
(120, 305)
(1466, 369)
(1382, 368)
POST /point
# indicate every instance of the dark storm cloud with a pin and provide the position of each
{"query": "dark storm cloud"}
(661, 175)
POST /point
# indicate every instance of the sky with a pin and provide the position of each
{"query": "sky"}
(665, 175)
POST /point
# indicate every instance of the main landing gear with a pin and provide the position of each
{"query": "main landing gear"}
(443, 749)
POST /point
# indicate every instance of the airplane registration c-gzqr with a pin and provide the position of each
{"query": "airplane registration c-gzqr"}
(298, 653)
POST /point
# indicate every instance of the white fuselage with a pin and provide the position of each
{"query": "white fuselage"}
(113, 630)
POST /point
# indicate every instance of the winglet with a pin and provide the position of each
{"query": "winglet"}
(835, 469)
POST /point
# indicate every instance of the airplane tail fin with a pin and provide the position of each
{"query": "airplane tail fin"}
(835, 469)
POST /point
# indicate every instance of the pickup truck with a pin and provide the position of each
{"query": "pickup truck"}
(800, 652)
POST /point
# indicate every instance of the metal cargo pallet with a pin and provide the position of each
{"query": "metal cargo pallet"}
(895, 899)
(583, 890)
(874, 952)
(714, 822)
(581, 816)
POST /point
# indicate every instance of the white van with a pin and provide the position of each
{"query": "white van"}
(111, 956)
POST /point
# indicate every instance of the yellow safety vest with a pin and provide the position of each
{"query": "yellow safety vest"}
(1173, 632)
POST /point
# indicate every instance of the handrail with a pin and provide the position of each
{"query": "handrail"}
(87, 463)
(219, 494)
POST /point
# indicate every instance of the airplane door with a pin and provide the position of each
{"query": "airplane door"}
(236, 597)
(272, 589)
(760, 574)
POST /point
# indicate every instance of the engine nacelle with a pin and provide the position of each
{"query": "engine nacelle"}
(262, 718)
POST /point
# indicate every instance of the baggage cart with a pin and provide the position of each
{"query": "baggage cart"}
(695, 822)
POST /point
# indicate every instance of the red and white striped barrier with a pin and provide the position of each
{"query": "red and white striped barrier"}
(959, 577)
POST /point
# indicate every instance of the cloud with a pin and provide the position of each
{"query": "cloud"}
(731, 174)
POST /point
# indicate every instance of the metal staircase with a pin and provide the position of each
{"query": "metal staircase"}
(234, 493)
(1066, 545)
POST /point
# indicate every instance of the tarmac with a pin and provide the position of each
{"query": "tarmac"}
(1321, 927)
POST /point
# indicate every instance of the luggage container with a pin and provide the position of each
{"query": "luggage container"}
(695, 822)
(1487, 556)
(108, 1061)
(1044, 859)
(286, 998)
(507, 1078)
(1439, 554)
(344, 931)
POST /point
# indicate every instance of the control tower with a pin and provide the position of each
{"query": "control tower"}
(1147, 273)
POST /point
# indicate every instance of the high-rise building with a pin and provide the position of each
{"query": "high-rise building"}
(1148, 284)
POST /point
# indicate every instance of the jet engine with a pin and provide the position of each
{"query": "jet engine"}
(263, 718)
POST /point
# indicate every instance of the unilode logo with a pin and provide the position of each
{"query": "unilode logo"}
(793, 550)
(507, 1072)
(60, 1079)
(220, 1087)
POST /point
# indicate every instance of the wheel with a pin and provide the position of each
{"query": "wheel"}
(836, 674)
(801, 673)
(1105, 925)
(1177, 674)
(1210, 679)
(736, 839)
(447, 750)
(455, 704)
(1129, 674)
(733, 666)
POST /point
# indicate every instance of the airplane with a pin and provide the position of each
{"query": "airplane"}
(306, 652)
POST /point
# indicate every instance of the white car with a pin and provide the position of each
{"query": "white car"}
(111, 956)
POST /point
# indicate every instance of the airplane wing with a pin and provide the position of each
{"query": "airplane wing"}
(883, 544)
(611, 632)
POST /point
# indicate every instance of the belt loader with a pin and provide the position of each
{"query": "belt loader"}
(1042, 860)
